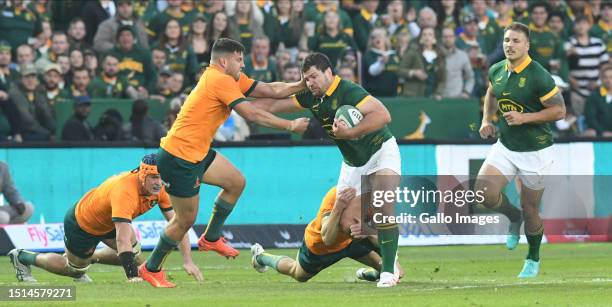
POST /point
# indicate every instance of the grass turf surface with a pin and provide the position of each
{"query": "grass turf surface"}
(571, 274)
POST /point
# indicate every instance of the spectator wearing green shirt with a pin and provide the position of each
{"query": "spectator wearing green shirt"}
(380, 65)
(110, 84)
(364, 22)
(395, 22)
(288, 25)
(76, 34)
(556, 24)
(59, 46)
(598, 109)
(134, 62)
(488, 30)
(249, 21)
(7, 74)
(259, 65)
(53, 82)
(196, 38)
(18, 23)
(316, 10)
(470, 35)
(520, 11)
(174, 10)
(218, 26)
(330, 40)
(80, 85)
(179, 55)
(422, 67)
(545, 48)
(603, 28)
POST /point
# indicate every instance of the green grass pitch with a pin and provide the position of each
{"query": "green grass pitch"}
(571, 275)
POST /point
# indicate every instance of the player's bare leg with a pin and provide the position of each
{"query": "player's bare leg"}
(492, 181)
(388, 233)
(68, 265)
(534, 230)
(282, 264)
(224, 174)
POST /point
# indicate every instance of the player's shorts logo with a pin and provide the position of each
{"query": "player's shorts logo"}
(507, 105)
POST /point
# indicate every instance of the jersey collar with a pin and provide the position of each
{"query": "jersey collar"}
(332, 88)
(521, 66)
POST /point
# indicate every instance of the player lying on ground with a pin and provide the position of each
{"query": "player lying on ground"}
(326, 242)
(368, 149)
(105, 214)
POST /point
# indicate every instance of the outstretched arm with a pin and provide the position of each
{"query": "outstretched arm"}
(185, 248)
(286, 105)
(124, 249)
(267, 119)
(277, 90)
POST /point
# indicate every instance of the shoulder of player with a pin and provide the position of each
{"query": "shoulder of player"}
(499, 65)
(537, 69)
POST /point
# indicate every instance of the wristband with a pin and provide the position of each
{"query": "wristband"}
(127, 260)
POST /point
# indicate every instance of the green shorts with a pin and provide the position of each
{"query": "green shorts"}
(79, 242)
(314, 264)
(182, 177)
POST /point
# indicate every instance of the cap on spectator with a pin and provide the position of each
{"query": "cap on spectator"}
(27, 69)
(125, 28)
(200, 16)
(81, 100)
(5, 46)
(166, 71)
(52, 66)
(468, 18)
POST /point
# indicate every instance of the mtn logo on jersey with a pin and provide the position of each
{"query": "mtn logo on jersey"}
(507, 105)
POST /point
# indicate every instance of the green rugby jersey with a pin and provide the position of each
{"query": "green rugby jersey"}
(343, 92)
(522, 90)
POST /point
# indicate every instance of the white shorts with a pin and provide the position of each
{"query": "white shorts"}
(387, 157)
(530, 166)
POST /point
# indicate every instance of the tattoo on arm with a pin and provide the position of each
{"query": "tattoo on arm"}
(555, 100)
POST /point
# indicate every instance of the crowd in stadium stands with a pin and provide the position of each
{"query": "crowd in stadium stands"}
(153, 51)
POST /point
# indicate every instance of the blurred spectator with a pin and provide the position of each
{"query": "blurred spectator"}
(91, 62)
(380, 65)
(94, 13)
(109, 127)
(62, 12)
(302, 54)
(576, 8)
(175, 84)
(76, 34)
(141, 126)
(545, 48)
(106, 36)
(234, 129)
(7, 75)
(479, 66)
(18, 23)
(53, 84)
(586, 55)
(158, 55)
(162, 90)
(59, 45)
(170, 118)
(179, 55)
(42, 8)
(259, 65)
(402, 42)
(80, 85)
(34, 117)
(422, 67)
(283, 56)
(448, 13)
(76, 128)
(291, 72)
(315, 11)
(602, 28)
(249, 20)
(395, 22)
(134, 62)
(76, 58)
(110, 84)
(330, 40)
(365, 22)
(520, 12)
(504, 9)
(470, 35)
(347, 73)
(557, 26)
(349, 59)
(219, 26)
(459, 80)
(174, 10)
(598, 109)
(63, 60)
(25, 55)
(18, 210)
(491, 35)
(288, 25)
(427, 18)
(197, 39)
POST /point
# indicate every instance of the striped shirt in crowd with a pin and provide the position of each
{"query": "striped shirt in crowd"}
(585, 65)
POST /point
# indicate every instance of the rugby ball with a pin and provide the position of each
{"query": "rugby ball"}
(349, 114)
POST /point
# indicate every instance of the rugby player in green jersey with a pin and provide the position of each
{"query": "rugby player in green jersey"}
(524, 95)
(368, 149)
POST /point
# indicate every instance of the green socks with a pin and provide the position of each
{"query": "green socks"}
(27, 257)
(534, 241)
(506, 208)
(370, 274)
(220, 212)
(163, 248)
(269, 260)
(388, 236)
